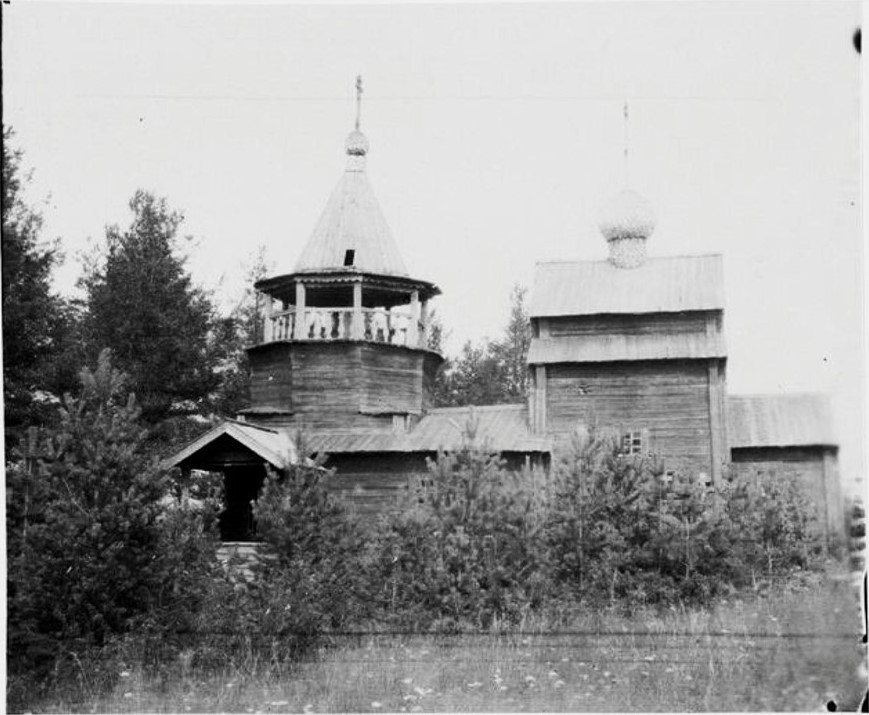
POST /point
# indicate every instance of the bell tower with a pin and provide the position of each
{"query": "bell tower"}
(343, 340)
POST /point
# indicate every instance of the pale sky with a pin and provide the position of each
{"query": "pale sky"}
(496, 134)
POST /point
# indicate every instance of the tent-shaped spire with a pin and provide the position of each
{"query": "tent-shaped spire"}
(352, 233)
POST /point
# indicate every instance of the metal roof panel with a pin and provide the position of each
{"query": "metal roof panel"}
(660, 285)
(783, 420)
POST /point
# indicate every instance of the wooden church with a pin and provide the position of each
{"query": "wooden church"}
(632, 344)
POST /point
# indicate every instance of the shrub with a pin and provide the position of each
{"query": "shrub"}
(92, 550)
(466, 551)
(774, 527)
(309, 580)
(617, 531)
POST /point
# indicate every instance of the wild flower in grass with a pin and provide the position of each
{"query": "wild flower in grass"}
(376, 704)
(407, 681)
(279, 703)
(475, 684)
(422, 692)
(409, 697)
(308, 709)
(128, 695)
(124, 674)
(559, 684)
(553, 673)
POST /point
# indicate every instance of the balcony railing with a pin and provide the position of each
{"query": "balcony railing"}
(376, 325)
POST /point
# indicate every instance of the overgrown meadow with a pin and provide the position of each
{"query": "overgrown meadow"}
(599, 586)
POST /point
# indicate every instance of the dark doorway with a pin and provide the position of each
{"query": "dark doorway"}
(241, 488)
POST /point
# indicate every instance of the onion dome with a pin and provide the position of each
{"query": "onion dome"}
(627, 215)
(626, 221)
(356, 143)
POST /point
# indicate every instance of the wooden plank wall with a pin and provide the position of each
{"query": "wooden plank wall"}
(813, 467)
(271, 376)
(376, 482)
(648, 324)
(392, 378)
(670, 399)
(328, 385)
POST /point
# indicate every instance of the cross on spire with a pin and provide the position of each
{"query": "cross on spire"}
(358, 100)
(626, 143)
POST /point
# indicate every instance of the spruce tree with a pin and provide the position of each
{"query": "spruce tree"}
(141, 303)
(32, 313)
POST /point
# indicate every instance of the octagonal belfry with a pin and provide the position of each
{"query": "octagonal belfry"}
(343, 340)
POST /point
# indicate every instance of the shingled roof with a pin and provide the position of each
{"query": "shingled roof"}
(352, 221)
(659, 285)
(797, 420)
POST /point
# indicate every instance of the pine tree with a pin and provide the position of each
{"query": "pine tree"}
(93, 544)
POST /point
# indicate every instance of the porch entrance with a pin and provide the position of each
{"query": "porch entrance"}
(242, 485)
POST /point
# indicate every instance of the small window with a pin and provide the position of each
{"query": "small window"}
(632, 442)
(349, 257)
(668, 476)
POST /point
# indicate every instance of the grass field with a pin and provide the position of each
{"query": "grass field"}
(794, 648)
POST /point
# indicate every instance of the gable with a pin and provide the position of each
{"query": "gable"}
(235, 443)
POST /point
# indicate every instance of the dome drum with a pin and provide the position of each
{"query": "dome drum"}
(626, 221)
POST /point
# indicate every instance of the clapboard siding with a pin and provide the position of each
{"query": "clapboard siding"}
(650, 324)
(669, 399)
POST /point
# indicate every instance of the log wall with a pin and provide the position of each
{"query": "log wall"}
(341, 384)
(669, 400)
(374, 483)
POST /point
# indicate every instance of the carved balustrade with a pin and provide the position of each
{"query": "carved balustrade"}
(376, 325)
